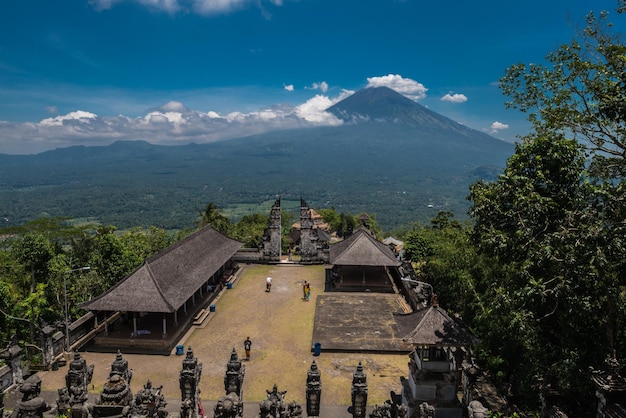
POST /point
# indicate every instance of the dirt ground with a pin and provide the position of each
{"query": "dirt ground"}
(280, 325)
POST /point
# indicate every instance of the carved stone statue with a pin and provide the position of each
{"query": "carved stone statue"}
(475, 409)
(359, 392)
(390, 409)
(235, 372)
(228, 406)
(294, 410)
(313, 391)
(120, 366)
(149, 402)
(426, 410)
(31, 405)
(116, 398)
(231, 405)
(78, 402)
(73, 398)
(78, 373)
(189, 381)
(274, 405)
(116, 391)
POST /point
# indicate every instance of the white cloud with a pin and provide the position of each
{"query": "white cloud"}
(169, 6)
(406, 86)
(454, 98)
(211, 7)
(79, 115)
(173, 106)
(498, 126)
(289, 87)
(314, 111)
(168, 124)
(203, 7)
(103, 4)
(321, 86)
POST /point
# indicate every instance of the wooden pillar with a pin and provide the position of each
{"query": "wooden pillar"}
(164, 325)
(106, 324)
(193, 299)
(176, 317)
(135, 323)
(185, 308)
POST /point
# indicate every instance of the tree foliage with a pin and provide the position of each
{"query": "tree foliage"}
(552, 225)
(580, 93)
(211, 216)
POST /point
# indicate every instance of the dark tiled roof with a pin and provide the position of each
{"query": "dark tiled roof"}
(433, 326)
(361, 249)
(166, 280)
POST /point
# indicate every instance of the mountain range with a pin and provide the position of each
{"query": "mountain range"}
(391, 157)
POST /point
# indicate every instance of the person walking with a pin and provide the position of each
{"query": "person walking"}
(268, 284)
(307, 292)
(247, 344)
(304, 286)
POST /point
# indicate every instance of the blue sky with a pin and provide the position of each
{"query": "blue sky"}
(178, 71)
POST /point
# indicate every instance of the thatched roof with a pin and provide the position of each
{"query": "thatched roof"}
(167, 279)
(433, 326)
(362, 249)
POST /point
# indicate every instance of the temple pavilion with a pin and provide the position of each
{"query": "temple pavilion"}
(155, 304)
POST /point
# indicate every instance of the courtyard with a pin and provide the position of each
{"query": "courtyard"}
(280, 324)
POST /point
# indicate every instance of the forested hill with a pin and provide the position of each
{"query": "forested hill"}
(402, 172)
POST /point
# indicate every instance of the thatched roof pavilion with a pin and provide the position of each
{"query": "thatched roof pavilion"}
(171, 280)
(362, 261)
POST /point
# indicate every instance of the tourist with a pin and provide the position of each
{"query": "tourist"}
(307, 292)
(268, 284)
(304, 286)
(247, 344)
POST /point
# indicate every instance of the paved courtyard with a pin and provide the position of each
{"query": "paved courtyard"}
(280, 324)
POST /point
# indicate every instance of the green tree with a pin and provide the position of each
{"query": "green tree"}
(580, 93)
(34, 250)
(211, 216)
(249, 230)
(331, 217)
(550, 287)
(417, 245)
(143, 243)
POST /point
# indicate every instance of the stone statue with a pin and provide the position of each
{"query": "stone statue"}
(228, 406)
(294, 410)
(73, 398)
(63, 401)
(120, 366)
(426, 410)
(359, 392)
(116, 391)
(235, 373)
(313, 391)
(116, 398)
(32, 405)
(390, 409)
(231, 405)
(274, 405)
(149, 402)
(189, 381)
(78, 402)
(475, 409)
(78, 373)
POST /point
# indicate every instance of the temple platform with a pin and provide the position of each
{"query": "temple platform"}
(351, 322)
